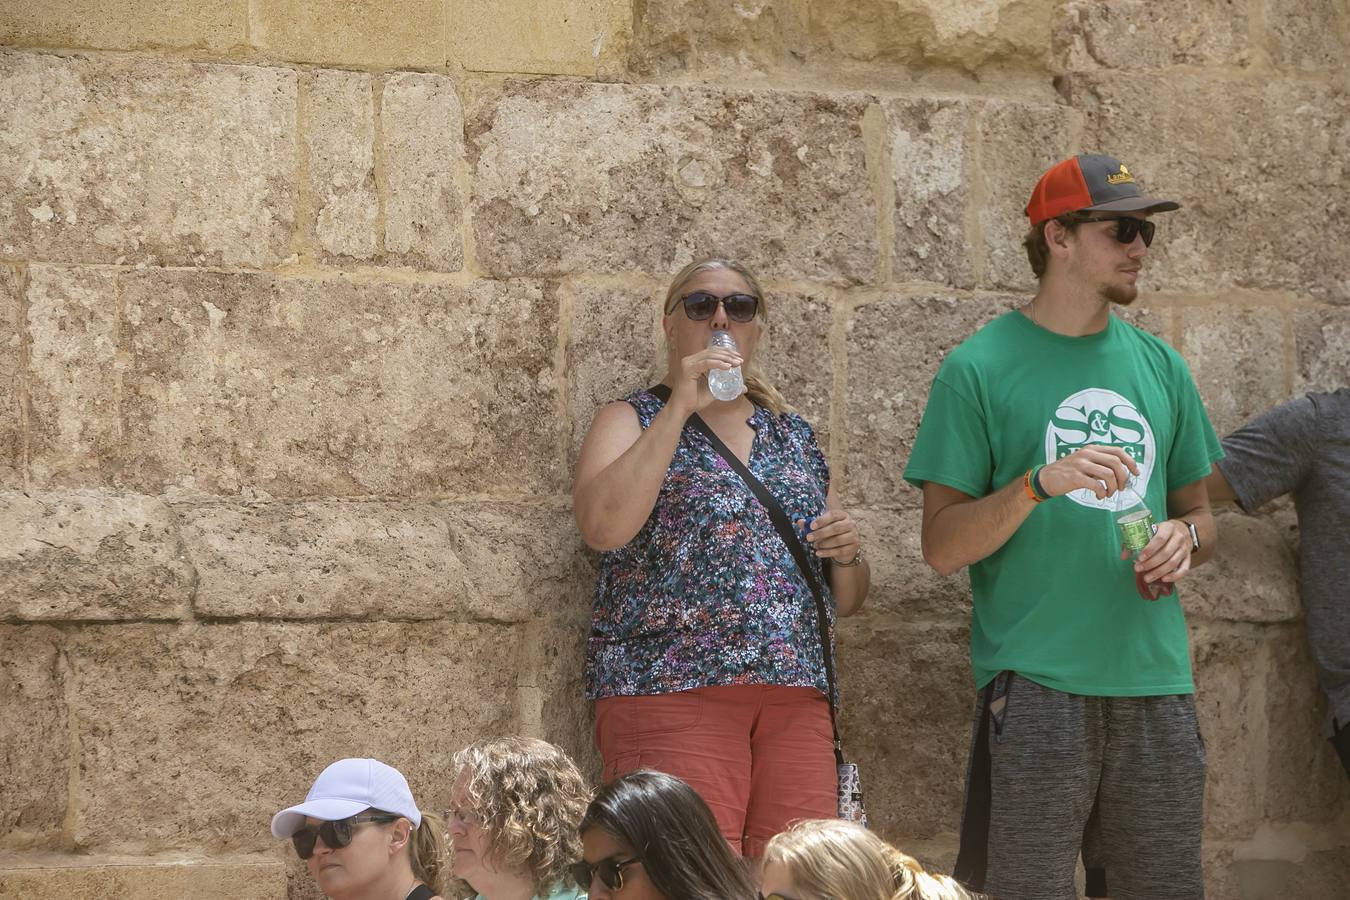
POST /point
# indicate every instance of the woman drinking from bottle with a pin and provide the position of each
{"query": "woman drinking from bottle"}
(706, 657)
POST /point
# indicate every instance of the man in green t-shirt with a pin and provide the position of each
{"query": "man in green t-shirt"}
(1046, 434)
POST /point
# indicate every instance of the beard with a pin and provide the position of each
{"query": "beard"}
(1123, 295)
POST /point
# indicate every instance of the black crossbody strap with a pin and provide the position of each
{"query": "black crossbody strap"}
(421, 892)
(789, 537)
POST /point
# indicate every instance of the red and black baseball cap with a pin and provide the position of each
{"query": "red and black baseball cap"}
(1090, 182)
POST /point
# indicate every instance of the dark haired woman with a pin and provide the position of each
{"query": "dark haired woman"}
(649, 836)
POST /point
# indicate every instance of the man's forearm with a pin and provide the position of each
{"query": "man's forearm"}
(966, 532)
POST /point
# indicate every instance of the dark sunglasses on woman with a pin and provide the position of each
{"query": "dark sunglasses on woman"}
(700, 306)
(1127, 227)
(609, 870)
(336, 834)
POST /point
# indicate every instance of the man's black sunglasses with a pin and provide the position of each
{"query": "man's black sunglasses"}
(700, 305)
(610, 872)
(336, 834)
(1127, 227)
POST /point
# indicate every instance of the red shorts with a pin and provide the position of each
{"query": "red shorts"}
(761, 756)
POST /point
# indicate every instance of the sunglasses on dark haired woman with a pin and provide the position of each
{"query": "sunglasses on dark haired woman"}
(336, 834)
(700, 306)
(610, 872)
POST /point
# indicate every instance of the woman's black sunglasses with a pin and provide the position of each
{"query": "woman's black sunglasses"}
(700, 305)
(336, 834)
(609, 870)
(1127, 227)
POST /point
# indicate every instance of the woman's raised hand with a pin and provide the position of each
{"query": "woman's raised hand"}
(689, 393)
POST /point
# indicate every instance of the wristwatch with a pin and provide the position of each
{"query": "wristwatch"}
(1195, 535)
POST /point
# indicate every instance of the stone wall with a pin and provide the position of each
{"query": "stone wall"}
(306, 304)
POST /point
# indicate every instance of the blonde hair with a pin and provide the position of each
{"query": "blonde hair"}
(836, 860)
(428, 851)
(757, 387)
(529, 798)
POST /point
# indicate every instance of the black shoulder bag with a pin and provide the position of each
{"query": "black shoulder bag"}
(850, 782)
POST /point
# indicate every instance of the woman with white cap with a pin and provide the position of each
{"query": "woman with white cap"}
(363, 837)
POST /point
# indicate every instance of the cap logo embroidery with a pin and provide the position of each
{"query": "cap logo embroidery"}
(1121, 177)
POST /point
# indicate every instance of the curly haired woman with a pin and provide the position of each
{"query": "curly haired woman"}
(516, 805)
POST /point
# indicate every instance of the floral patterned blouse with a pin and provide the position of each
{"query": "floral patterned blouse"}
(707, 593)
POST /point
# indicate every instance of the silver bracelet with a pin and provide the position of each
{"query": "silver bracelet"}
(856, 561)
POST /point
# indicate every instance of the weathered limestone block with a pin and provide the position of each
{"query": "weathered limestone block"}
(423, 140)
(1280, 863)
(119, 159)
(907, 703)
(1018, 142)
(556, 659)
(142, 878)
(704, 35)
(1307, 34)
(322, 559)
(334, 559)
(338, 112)
(1233, 179)
(931, 158)
(546, 37)
(1304, 778)
(795, 357)
(255, 711)
(904, 587)
(613, 347)
(1252, 577)
(213, 25)
(1236, 355)
(1137, 34)
(1321, 348)
(1230, 674)
(86, 555)
(338, 388)
(895, 345)
(387, 33)
(35, 739)
(647, 178)
(11, 376)
(73, 372)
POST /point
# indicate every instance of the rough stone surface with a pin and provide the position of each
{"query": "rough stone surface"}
(1321, 349)
(1307, 34)
(422, 126)
(916, 680)
(1229, 669)
(1137, 34)
(551, 37)
(391, 33)
(392, 691)
(1232, 872)
(73, 374)
(1252, 577)
(553, 673)
(334, 387)
(90, 555)
(338, 110)
(1304, 781)
(895, 345)
(86, 142)
(648, 178)
(904, 587)
(12, 338)
(795, 357)
(35, 742)
(1291, 170)
(140, 878)
(213, 25)
(1236, 355)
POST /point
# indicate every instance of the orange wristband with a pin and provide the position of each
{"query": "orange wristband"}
(1030, 489)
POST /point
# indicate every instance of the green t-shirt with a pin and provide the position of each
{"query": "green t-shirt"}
(1056, 603)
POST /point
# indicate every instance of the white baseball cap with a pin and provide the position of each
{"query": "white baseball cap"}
(347, 787)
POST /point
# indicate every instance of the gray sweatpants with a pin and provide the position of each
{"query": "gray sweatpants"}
(1120, 779)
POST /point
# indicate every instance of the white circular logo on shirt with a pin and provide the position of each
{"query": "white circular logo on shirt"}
(1100, 416)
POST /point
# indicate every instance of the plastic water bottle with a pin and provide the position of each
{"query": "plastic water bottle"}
(1135, 522)
(725, 384)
